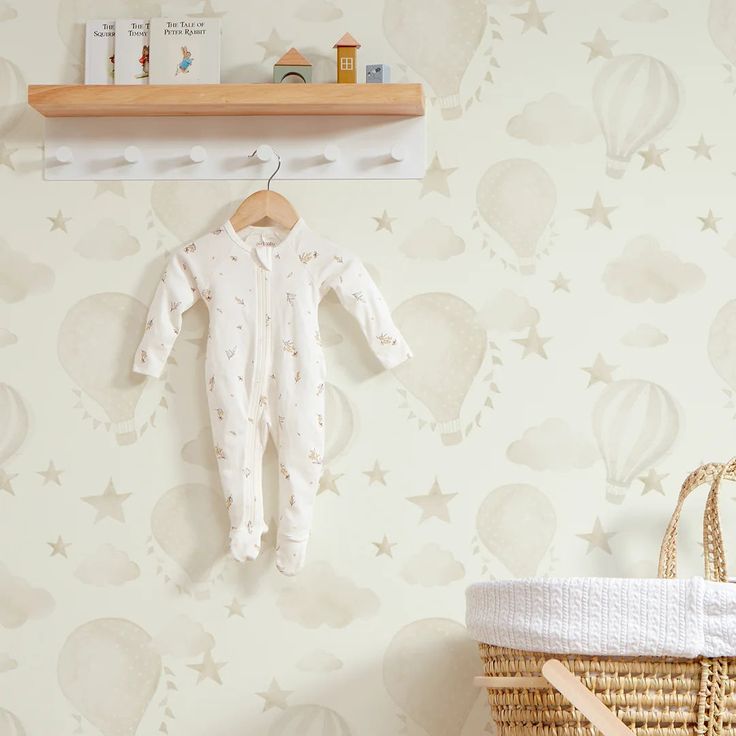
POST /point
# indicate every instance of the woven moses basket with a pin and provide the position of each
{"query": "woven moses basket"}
(549, 693)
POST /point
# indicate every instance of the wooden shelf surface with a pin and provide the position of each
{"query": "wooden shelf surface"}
(80, 100)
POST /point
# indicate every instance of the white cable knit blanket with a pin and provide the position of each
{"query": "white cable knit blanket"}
(606, 616)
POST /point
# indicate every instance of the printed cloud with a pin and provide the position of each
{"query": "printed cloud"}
(431, 566)
(319, 660)
(645, 11)
(7, 663)
(199, 450)
(107, 241)
(321, 597)
(645, 272)
(7, 338)
(433, 241)
(318, 11)
(20, 601)
(182, 637)
(552, 445)
(20, 276)
(553, 121)
(645, 336)
(107, 566)
(507, 311)
(7, 11)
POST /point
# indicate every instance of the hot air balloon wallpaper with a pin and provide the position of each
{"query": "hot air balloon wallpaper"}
(636, 98)
(12, 96)
(96, 344)
(438, 40)
(428, 670)
(108, 671)
(722, 27)
(722, 345)
(339, 422)
(516, 198)
(14, 425)
(507, 509)
(635, 423)
(10, 725)
(449, 346)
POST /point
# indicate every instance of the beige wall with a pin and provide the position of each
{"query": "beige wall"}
(617, 349)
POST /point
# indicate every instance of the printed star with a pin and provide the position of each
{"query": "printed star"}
(435, 178)
(597, 213)
(328, 482)
(58, 222)
(114, 187)
(652, 156)
(208, 669)
(434, 503)
(58, 547)
(701, 148)
(710, 222)
(384, 222)
(6, 481)
(600, 371)
(533, 343)
(384, 547)
(597, 539)
(533, 18)
(6, 155)
(376, 475)
(235, 608)
(208, 11)
(109, 504)
(652, 482)
(600, 46)
(274, 697)
(273, 46)
(51, 474)
(560, 283)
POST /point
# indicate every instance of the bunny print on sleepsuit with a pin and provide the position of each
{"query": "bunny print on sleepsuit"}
(265, 369)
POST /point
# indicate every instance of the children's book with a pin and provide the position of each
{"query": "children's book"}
(185, 51)
(131, 51)
(99, 52)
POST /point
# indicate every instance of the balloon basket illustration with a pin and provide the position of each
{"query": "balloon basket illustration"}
(438, 39)
(516, 198)
(96, 344)
(635, 423)
(636, 98)
(109, 672)
(449, 346)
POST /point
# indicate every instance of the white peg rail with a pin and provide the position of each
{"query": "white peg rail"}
(310, 147)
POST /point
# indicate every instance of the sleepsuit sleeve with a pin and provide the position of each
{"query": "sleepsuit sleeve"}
(359, 294)
(176, 292)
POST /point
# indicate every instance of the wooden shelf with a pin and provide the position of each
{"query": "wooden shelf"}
(79, 100)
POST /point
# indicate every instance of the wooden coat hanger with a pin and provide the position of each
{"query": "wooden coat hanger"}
(265, 205)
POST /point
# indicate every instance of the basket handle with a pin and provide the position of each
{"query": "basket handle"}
(713, 552)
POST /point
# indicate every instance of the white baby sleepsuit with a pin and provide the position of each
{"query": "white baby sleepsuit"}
(265, 369)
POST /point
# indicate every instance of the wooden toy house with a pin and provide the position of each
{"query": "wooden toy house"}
(292, 67)
(347, 68)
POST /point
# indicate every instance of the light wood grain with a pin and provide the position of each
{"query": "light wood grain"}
(509, 683)
(79, 100)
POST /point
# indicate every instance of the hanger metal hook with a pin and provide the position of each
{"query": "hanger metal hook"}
(276, 170)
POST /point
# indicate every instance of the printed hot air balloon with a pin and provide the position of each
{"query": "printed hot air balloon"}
(507, 509)
(437, 39)
(449, 345)
(191, 524)
(722, 27)
(309, 720)
(109, 671)
(722, 343)
(97, 341)
(636, 98)
(635, 423)
(12, 96)
(339, 422)
(10, 725)
(428, 670)
(517, 198)
(13, 422)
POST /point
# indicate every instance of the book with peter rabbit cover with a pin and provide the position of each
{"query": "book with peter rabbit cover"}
(131, 51)
(185, 51)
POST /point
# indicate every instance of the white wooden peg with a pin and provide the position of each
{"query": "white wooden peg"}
(64, 155)
(264, 153)
(398, 152)
(132, 154)
(331, 153)
(198, 154)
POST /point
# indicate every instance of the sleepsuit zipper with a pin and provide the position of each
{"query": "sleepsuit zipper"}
(262, 339)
